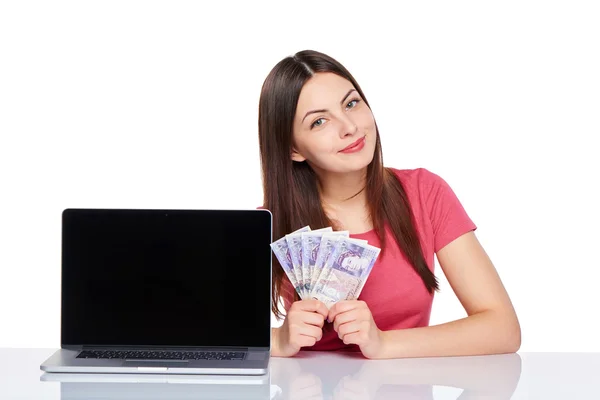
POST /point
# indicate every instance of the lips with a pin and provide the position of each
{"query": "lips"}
(354, 145)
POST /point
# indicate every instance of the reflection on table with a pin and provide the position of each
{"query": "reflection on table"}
(315, 375)
(350, 376)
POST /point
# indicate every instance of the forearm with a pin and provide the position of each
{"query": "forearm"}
(488, 332)
(274, 343)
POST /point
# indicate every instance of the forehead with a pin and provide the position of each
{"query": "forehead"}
(322, 90)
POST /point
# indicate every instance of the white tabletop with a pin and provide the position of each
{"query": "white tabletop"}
(320, 375)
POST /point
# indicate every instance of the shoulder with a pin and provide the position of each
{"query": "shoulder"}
(417, 179)
(438, 201)
(428, 189)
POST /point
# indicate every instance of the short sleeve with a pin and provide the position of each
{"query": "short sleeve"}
(449, 219)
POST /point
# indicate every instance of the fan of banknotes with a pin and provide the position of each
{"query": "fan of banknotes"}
(325, 265)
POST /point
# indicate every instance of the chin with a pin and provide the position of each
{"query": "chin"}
(357, 164)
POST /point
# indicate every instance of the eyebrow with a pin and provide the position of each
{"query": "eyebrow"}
(324, 110)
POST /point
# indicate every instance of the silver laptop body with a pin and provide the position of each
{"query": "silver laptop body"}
(165, 291)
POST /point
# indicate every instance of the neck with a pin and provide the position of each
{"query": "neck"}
(343, 189)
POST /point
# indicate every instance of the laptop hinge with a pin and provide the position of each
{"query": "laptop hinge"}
(71, 347)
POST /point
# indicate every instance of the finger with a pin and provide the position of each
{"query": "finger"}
(344, 318)
(299, 341)
(352, 338)
(307, 317)
(340, 307)
(322, 309)
(308, 305)
(316, 306)
(313, 305)
(305, 341)
(359, 313)
(306, 330)
(348, 328)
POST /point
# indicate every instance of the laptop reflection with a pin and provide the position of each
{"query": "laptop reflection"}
(80, 386)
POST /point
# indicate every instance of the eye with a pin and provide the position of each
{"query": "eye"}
(352, 103)
(314, 124)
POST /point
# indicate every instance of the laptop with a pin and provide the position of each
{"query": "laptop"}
(149, 291)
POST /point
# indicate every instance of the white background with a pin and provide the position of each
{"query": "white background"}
(152, 104)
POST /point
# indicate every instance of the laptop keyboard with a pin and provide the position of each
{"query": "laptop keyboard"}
(162, 355)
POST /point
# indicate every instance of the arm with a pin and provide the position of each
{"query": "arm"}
(274, 343)
(491, 326)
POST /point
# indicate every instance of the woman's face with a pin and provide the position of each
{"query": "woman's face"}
(352, 264)
(334, 130)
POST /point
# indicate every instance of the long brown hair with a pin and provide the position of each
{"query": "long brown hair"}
(291, 188)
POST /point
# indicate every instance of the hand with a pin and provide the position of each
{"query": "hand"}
(354, 324)
(302, 327)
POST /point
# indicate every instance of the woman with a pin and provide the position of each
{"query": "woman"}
(322, 166)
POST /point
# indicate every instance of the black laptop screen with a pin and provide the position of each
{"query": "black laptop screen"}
(166, 278)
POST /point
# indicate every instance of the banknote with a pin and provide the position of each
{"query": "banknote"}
(338, 286)
(345, 271)
(294, 242)
(310, 246)
(282, 252)
(325, 264)
(328, 242)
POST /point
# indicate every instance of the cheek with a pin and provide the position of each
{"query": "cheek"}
(320, 145)
(304, 145)
(367, 123)
(366, 120)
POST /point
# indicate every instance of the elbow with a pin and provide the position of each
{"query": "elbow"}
(505, 332)
(516, 338)
(511, 335)
(512, 344)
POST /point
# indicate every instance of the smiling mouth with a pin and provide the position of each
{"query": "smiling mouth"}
(355, 144)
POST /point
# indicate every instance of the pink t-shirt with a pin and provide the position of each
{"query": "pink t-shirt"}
(394, 292)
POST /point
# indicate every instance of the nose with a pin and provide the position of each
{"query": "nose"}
(348, 126)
